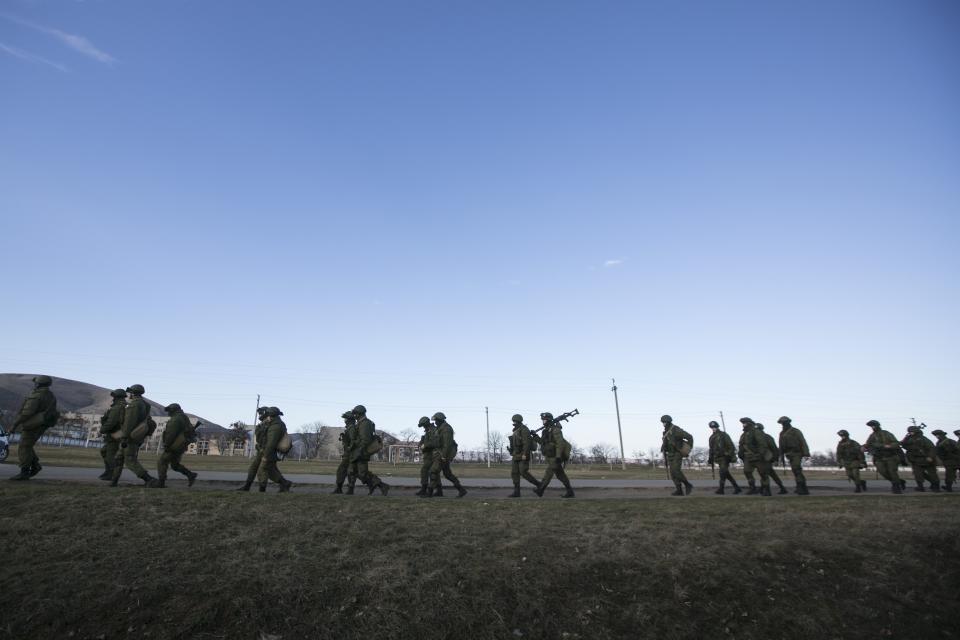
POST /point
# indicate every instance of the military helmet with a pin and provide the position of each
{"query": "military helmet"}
(42, 381)
(746, 420)
(939, 432)
(783, 420)
(262, 411)
(759, 425)
(173, 406)
(843, 433)
(136, 389)
(713, 424)
(118, 393)
(360, 410)
(423, 422)
(275, 412)
(913, 429)
(957, 432)
(439, 416)
(517, 418)
(666, 419)
(546, 415)
(347, 415)
(873, 423)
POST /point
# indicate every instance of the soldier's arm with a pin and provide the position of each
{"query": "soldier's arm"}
(803, 443)
(30, 407)
(131, 417)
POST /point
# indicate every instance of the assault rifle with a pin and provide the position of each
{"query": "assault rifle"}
(563, 417)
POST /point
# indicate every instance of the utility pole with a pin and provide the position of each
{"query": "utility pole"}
(616, 402)
(722, 422)
(256, 415)
(486, 410)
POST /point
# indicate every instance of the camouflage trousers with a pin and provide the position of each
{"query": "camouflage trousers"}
(171, 459)
(272, 471)
(853, 471)
(26, 454)
(109, 450)
(887, 467)
(366, 476)
(257, 469)
(425, 467)
(723, 464)
(675, 462)
(128, 457)
(521, 469)
(950, 475)
(925, 471)
(763, 467)
(346, 470)
(796, 466)
(555, 468)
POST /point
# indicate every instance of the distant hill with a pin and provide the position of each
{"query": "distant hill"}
(72, 395)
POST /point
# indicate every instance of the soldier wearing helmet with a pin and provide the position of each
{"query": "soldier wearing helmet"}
(429, 442)
(520, 448)
(775, 451)
(756, 454)
(37, 414)
(555, 449)
(276, 430)
(359, 454)
(722, 453)
(884, 447)
(793, 448)
(676, 445)
(346, 470)
(256, 470)
(949, 455)
(110, 424)
(446, 453)
(137, 426)
(177, 435)
(922, 456)
(850, 457)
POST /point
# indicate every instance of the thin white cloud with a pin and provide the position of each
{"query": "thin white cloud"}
(612, 263)
(31, 57)
(75, 42)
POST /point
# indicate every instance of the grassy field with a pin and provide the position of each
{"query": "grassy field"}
(86, 563)
(78, 457)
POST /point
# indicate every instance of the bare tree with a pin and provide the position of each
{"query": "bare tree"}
(409, 435)
(577, 455)
(495, 445)
(699, 456)
(655, 456)
(602, 452)
(315, 436)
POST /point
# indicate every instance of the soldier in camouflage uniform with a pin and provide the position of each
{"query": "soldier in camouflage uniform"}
(775, 453)
(748, 467)
(674, 439)
(949, 454)
(110, 424)
(428, 447)
(520, 447)
(553, 444)
(37, 414)
(850, 457)
(447, 453)
(885, 449)
(722, 453)
(755, 451)
(360, 457)
(347, 470)
(256, 470)
(135, 414)
(176, 438)
(276, 429)
(793, 447)
(922, 456)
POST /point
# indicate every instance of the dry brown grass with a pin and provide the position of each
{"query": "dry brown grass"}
(87, 562)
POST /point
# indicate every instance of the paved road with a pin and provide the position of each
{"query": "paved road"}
(479, 487)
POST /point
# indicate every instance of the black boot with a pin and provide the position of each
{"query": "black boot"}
(948, 487)
(107, 472)
(753, 488)
(159, 484)
(568, 494)
(460, 490)
(149, 481)
(384, 488)
(539, 490)
(262, 488)
(802, 488)
(438, 492)
(678, 491)
(23, 475)
(285, 486)
(856, 487)
(896, 487)
(919, 487)
(428, 493)
(246, 486)
(338, 489)
(349, 489)
(783, 490)
(719, 490)
(935, 486)
(687, 487)
(863, 485)
(736, 487)
(903, 484)
(516, 491)
(35, 467)
(423, 491)
(765, 491)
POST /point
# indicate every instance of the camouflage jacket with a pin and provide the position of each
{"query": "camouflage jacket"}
(39, 411)
(673, 438)
(792, 443)
(113, 419)
(260, 433)
(429, 441)
(448, 446)
(521, 442)
(721, 446)
(883, 444)
(849, 452)
(178, 424)
(276, 429)
(349, 436)
(754, 447)
(365, 432)
(919, 449)
(771, 444)
(948, 451)
(135, 412)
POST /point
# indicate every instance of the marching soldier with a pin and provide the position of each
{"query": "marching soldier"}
(921, 454)
(885, 449)
(793, 447)
(176, 438)
(677, 444)
(748, 467)
(520, 448)
(276, 429)
(722, 453)
(429, 459)
(137, 426)
(949, 454)
(553, 445)
(256, 467)
(447, 451)
(359, 455)
(775, 455)
(110, 424)
(347, 470)
(850, 457)
(37, 414)
(755, 451)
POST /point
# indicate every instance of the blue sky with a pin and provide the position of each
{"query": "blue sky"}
(743, 206)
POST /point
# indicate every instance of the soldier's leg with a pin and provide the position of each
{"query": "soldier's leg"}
(109, 450)
(515, 477)
(352, 475)
(950, 473)
(162, 463)
(425, 476)
(764, 468)
(26, 454)
(547, 477)
(131, 455)
(676, 474)
(748, 469)
(273, 473)
(932, 476)
(117, 467)
(887, 467)
(176, 463)
(917, 476)
(448, 474)
(725, 470)
(526, 475)
(342, 473)
(562, 477)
